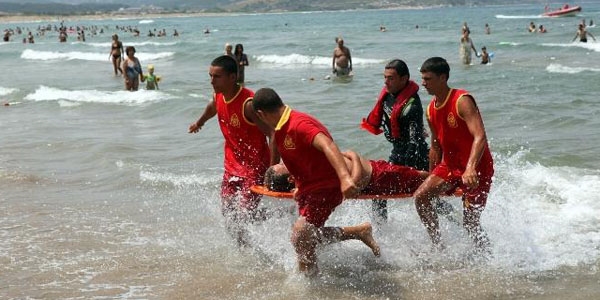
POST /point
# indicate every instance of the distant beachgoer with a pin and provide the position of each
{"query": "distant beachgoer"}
(242, 61)
(487, 29)
(6, 35)
(116, 53)
(151, 79)
(532, 27)
(62, 36)
(175, 33)
(132, 69)
(542, 29)
(206, 31)
(342, 60)
(465, 28)
(466, 45)
(485, 56)
(229, 50)
(30, 38)
(591, 23)
(582, 33)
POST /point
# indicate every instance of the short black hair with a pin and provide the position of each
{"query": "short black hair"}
(266, 99)
(227, 63)
(277, 182)
(398, 65)
(436, 65)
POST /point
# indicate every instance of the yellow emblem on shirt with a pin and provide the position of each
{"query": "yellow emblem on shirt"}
(451, 120)
(288, 143)
(234, 121)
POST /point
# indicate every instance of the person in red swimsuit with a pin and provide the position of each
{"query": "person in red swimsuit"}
(459, 157)
(247, 153)
(372, 177)
(321, 176)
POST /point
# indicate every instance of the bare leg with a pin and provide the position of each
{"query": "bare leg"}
(304, 240)
(471, 222)
(431, 188)
(236, 221)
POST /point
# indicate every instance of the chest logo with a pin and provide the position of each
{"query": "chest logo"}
(288, 143)
(234, 121)
(451, 119)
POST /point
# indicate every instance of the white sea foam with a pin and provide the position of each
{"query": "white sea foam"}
(5, 91)
(558, 68)
(44, 93)
(146, 21)
(135, 44)
(519, 17)
(590, 46)
(89, 56)
(299, 59)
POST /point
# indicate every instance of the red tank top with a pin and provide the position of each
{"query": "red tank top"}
(309, 166)
(454, 136)
(246, 151)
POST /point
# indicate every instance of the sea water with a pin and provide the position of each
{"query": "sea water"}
(105, 195)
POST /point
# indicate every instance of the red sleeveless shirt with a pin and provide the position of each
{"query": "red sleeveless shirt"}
(454, 136)
(246, 151)
(309, 166)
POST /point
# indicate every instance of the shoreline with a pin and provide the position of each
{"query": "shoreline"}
(11, 19)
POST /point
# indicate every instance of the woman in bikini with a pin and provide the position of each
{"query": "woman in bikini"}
(116, 53)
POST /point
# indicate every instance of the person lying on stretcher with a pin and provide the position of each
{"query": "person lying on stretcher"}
(373, 177)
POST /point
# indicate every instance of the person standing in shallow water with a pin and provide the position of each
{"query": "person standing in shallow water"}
(116, 54)
(242, 61)
(132, 69)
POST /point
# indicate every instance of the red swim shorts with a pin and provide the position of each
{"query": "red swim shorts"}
(472, 198)
(390, 179)
(317, 206)
(233, 187)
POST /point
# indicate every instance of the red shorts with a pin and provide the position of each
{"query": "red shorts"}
(317, 206)
(233, 187)
(472, 198)
(390, 179)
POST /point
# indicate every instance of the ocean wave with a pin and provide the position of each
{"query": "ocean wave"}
(5, 91)
(299, 59)
(590, 46)
(146, 21)
(519, 17)
(558, 68)
(45, 93)
(107, 45)
(89, 56)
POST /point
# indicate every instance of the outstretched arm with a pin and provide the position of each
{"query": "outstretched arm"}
(209, 112)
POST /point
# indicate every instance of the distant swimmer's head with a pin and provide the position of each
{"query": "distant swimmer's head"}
(228, 47)
(277, 178)
(483, 48)
(340, 41)
(150, 67)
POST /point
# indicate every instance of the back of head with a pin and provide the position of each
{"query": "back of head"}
(400, 67)
(267, 100)
(436, 65)
(278, 182)
(227, 63)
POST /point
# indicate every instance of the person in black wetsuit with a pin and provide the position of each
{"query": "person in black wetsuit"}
(398, 113)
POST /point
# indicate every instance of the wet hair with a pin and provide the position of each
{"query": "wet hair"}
(398, 65)
(436, 65)
(277, 182)
(267, 100)
(227, 63)
(238, 46)
(129, 48)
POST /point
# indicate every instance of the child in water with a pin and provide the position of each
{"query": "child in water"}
(485, 56)
(151, 79)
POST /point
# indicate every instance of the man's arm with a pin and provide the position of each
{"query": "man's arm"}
(435, 152)
(324, 144)
(467, 109)
(353, 162)
(209, 112)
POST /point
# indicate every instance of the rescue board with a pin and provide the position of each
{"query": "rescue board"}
(263, 190)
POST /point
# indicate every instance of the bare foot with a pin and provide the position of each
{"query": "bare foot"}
(365, 234)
